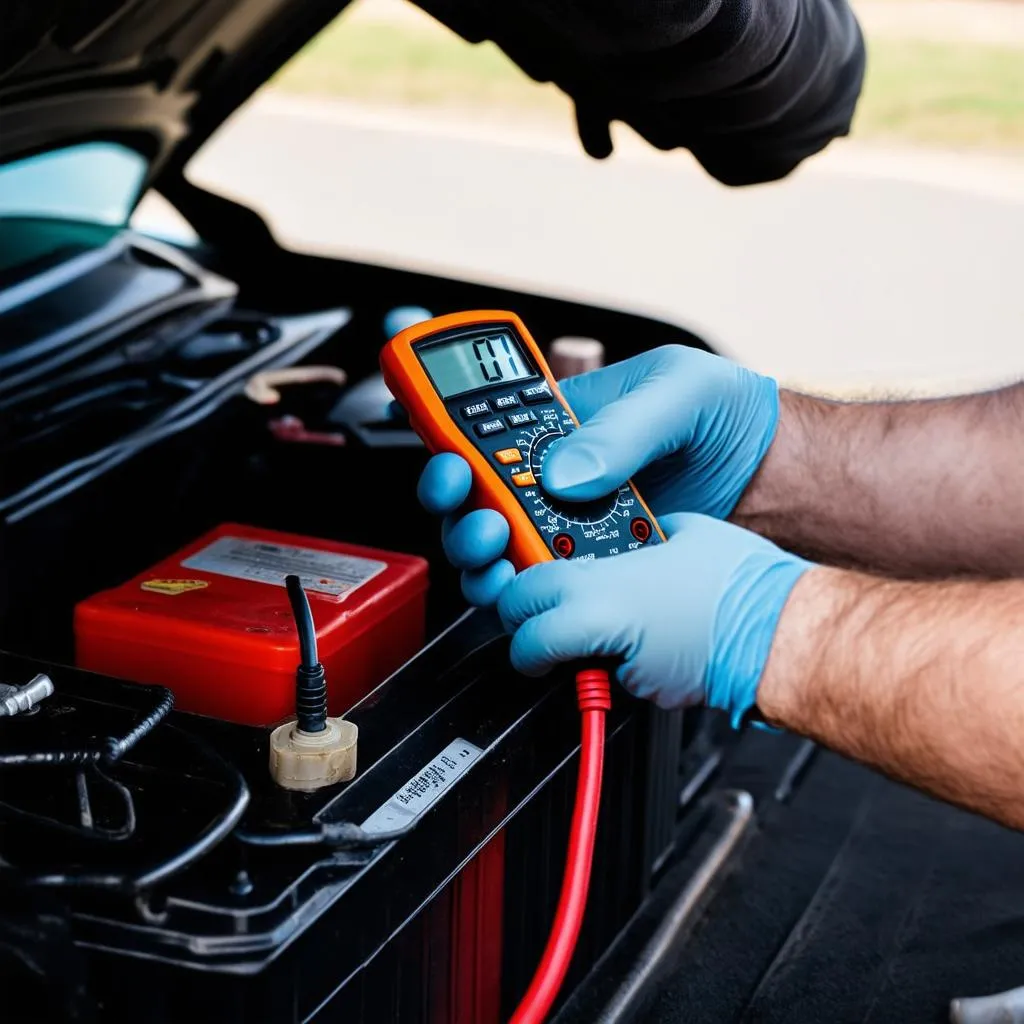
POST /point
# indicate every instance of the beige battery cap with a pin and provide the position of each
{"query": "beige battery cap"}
(311, 760)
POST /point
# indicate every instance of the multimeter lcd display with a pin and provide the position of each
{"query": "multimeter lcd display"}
(466, 364)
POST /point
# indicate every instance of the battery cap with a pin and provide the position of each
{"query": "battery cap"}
(570, 356)
(311, 760)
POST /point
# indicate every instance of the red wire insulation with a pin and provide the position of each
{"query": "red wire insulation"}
(593, 693)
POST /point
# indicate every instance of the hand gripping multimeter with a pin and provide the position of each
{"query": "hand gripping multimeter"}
(476, 384)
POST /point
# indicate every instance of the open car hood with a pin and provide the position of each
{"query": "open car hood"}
(157, 75)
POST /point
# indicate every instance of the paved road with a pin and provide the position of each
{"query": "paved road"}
(851, 274)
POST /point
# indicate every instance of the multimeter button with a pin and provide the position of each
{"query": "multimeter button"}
(641, 529)
(519, 419)
(476, 409)
(506, 401)
(488, 428)
(564, 545)
(524, 479)
(506, 456)
(535, 394)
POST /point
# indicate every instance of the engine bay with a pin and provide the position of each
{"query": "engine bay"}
(156, 405)
(157, 402)
(181, 423)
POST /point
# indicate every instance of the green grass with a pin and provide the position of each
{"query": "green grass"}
(963, 95)
(393, 63)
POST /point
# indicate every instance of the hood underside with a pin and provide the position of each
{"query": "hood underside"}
(157, 75)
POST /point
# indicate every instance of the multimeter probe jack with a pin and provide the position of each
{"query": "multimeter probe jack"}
(477, 384)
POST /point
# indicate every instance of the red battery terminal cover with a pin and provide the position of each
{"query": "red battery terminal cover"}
(212, 622)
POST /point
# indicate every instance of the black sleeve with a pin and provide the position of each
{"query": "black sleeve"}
(750, 87)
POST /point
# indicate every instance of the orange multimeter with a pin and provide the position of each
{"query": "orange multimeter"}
(476, 384)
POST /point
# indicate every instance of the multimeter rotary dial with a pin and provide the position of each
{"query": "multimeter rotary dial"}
(585, 513)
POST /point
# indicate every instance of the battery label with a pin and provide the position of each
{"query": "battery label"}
(423, 789)
(323, 572)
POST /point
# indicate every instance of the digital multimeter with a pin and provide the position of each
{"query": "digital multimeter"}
(476, 384)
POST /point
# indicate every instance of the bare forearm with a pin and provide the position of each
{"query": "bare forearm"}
(924, 681)
(915, 489)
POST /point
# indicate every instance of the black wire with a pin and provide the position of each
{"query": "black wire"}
(215, 833)
(85, 830)
(343, 835)
(127, 829)
(218, 830)
(310, 684)
(303, 615)
(110, 749)
(116, 749)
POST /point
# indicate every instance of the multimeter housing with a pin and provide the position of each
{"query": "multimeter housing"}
(477, 384)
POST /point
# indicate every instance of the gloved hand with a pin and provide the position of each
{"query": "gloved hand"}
(693, 619)
(692, 428)
(699, 424)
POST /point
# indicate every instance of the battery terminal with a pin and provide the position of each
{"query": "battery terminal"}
(23, 700)
(312, 751)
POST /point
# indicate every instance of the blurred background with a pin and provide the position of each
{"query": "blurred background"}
(891, 264)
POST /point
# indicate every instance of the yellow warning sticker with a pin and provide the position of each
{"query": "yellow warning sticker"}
(174, 586)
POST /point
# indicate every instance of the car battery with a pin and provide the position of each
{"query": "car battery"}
(213, 623)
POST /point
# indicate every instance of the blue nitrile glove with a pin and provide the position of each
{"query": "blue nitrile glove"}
(693, 619)
(700, 424)
(474, 543)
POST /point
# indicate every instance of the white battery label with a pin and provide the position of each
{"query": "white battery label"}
(323, 572)
(423, 790)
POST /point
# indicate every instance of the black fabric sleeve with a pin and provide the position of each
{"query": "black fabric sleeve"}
(750, 87)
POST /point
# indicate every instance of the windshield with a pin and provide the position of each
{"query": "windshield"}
(60, 204)
(92, 183)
